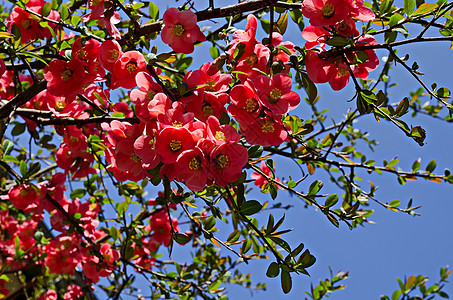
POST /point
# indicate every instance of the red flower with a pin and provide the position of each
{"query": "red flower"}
(227, 161)
(172, 141)
(261, 180)
(275, 93)
(324, 13)
(126, 68)
(244, 106)
(181, 30)
(265, 131)
(109, 53)
(64, 79)
(191, 166)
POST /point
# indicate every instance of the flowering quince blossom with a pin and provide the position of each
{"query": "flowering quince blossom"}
(275, 93)
(336, 71)
(109, 53)
(126, 68)
(64, 79)
(226, 163)
(181, 30)
(26, 197)
(28, 23)
(324, 13)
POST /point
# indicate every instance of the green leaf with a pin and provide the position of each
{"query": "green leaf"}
(181, 239)
(315, 187)
(281, 243)
(402, 108)
(23, 167)
(270, 224)
(153, 11)
(396, 295)
(18, 129)
(409, 6)
(7, 147)
(394, 203)
(75, 20)
(78, 193)
(281, 24)
(286, 282)
(209, 223)
(246, 246)
(431, 166)
(250, 207)
(331, 200)
(46, 9)
(296, 251)
(138, 5)
(34, 168)
(273, 270)
(337, 41)
(214, 51)
(309, 86)
(423, 9)
(64, 12)
(234, 236)
(255, 151)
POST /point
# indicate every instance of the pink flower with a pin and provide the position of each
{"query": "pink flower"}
(227, 161)
(275, 93)
(172, 141)
(64, 79)
(244, 106)
(265, 131)
(25, 196)
(324, 13)
(181, 30)
(109, 53)
(191, 166)
(126, 68)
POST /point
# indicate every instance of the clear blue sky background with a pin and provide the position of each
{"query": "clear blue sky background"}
(398, 244)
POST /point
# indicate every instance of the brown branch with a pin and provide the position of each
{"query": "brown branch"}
(22, 98)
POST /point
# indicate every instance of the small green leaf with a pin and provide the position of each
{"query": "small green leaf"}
(255, 151)
(214, 51)
(250, 207)
(315, 187)
(431, 166)
(23, 167)
(46, 9)
(331, 200)
(273, 270)
(209, 223)
(286, 282)
(234, 236)
(181, 239)
(396, 295)
(153, 11)
(409, 6)
(423, 9)
(246, 246)
(78, 193)
(394, 203)
(64, 12)
(7, 147)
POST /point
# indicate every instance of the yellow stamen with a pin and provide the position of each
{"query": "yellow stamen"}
(220, 136)
(274, 95)
(131, 67)
(267, 126)
(328, 11)
(66, 74)
(251, 60)
(251, 105)
(175, 145)
(221, 160)
(195, 163)
(176, 124)
(114, 54)
(178, 29)
(60, 105)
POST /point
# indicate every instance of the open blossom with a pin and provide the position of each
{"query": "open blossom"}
(275, 93)
(126, 68)
(109, 53)
(64, 79)
(181, 30)
(325, 12)
(226, 163)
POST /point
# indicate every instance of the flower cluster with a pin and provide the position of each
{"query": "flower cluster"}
(334, 18)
